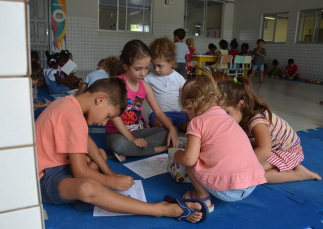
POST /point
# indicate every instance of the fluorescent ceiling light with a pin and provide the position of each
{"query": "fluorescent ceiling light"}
(133, 13)
(270, 18)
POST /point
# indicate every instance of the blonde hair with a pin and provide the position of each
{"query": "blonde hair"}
(200, 93)
(190, 42)
(163, 48)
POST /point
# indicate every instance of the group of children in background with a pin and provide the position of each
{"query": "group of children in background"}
(234, 141)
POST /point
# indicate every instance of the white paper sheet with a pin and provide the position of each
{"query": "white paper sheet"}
(149, 167)
(136, 191)
(69, 67)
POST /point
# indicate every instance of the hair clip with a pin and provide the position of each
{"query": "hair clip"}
(53, 60)
(236, 80)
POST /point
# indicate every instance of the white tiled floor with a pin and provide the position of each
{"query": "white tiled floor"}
(296, 102)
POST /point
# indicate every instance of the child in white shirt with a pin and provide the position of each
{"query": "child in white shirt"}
(166, 83)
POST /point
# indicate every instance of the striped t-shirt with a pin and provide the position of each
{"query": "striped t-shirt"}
(283, 136)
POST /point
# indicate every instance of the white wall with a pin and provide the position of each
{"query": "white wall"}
(89, 45)
(20, 202)
(247, 28)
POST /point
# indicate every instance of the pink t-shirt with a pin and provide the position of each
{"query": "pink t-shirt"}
(131, 116)
(60, 130)
(227, 160)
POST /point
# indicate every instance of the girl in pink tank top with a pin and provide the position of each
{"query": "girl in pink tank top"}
(126, 135)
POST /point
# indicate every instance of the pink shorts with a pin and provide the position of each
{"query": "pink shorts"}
(286, 160)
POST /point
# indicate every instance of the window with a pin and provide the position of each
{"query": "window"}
(310, 26)
(203, 18)
(275, 27)
(125, 15)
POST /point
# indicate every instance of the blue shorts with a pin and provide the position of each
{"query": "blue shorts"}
(178, 117)
(231, 195)
(49, 186)
(258, 67)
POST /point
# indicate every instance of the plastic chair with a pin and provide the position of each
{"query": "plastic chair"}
(237, 66)
(247, 65)
(222, 65)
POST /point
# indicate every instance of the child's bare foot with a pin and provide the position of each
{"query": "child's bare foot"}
(159, 149)
(120, 157)
(306, 174)
(205, 198)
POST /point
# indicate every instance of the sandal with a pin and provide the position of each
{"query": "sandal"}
(118, 156)
(187, 211)
(211, 208)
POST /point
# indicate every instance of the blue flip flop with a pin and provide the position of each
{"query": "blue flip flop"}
(188, 211)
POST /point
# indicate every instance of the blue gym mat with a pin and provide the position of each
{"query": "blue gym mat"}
(289, 205)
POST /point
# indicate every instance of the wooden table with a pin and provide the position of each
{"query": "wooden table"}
(203, 58)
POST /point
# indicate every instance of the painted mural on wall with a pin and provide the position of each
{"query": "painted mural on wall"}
(58, 24)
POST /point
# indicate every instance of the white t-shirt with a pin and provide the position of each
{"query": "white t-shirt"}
(94, 76)
(181, 51)
(166, 90)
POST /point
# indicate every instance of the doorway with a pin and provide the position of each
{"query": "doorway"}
(39, 28)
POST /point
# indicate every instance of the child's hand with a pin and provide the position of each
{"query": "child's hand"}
(173, 137)
(140, 142)
(123, 183)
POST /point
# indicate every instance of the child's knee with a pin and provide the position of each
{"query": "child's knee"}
(86, 189)
(104, 154)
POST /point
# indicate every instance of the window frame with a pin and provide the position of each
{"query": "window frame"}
(205, 18)
(274, 32)
(126, 20)
(301, 30)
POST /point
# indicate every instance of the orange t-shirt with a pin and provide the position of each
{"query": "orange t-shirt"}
(61, 129)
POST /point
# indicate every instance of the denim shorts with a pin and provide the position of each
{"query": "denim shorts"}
(231, 195)
(178, 117)
(49, 186)
(258, 67)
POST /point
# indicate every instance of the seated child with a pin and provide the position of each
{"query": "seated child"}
(126, 135)
(102, 71)
(228, 170)
(212, 49)
(70, 80)
(291, 70)
(275, 72)
(275, 143)
(234, 51)
(52, 76)
(39, 106)
(63, 145)
(166, 83)
(245, 50)
(223, 51)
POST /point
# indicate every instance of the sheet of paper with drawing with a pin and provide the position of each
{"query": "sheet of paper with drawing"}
(149, 167)
(136, 191)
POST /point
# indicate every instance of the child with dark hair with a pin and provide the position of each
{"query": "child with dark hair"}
(36, 73)
(275, 72)
(258, 61)
(234, 51)
(223, 51)
(212, 49)
(182, 51)
(245, 50)
(291, 70)
(52, 77)
(276, 145)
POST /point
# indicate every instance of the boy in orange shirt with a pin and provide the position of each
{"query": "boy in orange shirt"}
(69, 160)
